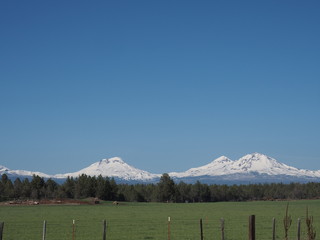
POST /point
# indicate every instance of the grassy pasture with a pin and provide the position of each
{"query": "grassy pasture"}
(149, 220)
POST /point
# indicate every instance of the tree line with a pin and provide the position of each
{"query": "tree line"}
(166, 190)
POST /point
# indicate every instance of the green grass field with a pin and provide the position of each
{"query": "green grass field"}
(149, 220)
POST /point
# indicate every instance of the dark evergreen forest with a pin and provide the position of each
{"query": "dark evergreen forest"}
(166, 190)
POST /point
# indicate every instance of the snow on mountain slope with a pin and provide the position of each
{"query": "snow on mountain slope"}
(250, 167)
(23, 173)
(219, 166)
(251, 163)
(113, 167)
(263, 164)
(3, 169)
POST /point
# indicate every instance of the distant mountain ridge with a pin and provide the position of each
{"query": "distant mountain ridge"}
(250, 163)
(251, 168)
(112, 167)
(21, 173)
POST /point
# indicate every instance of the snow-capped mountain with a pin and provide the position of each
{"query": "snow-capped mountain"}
(263, 164)
(219, 166)
(247, 167)
(252, 168)
(21, 173)
(113, 167)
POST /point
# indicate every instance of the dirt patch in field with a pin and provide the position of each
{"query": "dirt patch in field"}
(52, 202)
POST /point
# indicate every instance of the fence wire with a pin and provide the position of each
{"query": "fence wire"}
(235, 228)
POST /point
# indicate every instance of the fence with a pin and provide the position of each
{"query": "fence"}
(75, 233)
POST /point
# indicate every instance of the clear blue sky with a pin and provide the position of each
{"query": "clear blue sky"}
(165, 85)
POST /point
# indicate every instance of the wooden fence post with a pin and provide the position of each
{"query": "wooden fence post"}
(1, 229)
(169, 230)
(201, 230)
(44, 230)
(73, 230)
(273, 229)
(252, 227)
(299, 229)
(222, 228)
(104, 236)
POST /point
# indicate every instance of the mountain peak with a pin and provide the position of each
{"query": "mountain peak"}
(114, 160)
(257, 162)
(3, 168)
(113, 167)
(222, 159)
(253, 163)
(255, 156)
